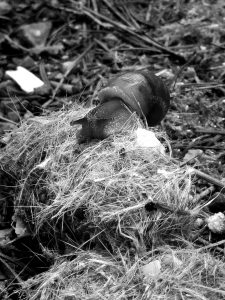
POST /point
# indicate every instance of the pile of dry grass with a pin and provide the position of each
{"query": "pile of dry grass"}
(91, 199)
(101, 186)
(185, 274)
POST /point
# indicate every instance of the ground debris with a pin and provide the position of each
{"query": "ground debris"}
(93, 215)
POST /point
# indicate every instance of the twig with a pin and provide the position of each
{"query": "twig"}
(94, 4)
(211, 245)
(209, 190)
(148, 13)
(8, 120)
(103, 45)
(75, 62)
(16, 45)
(219, 46)
(43, 74)
(132, 17)
(132, 48)
(16, 276)
(208, 178)
(192, 57)
(126, 30)
(115, 12)
(201, 86)
(210, 131)
(186, 147)
(106, 25)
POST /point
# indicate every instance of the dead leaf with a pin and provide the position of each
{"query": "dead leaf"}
(36, 33)
(5, 8)
(192, 153)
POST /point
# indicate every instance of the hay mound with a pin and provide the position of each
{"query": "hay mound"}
(95, 192)
(185, 274)
(112, 205)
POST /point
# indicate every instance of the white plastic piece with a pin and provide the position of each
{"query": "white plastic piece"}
(165, 173)
(20, 228)
(165, 73)
(152, 269)
(44, 164)
(25, 79)
(147, 138)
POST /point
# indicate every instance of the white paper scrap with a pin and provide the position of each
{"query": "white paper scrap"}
(20, 229)
(147, 138)
(25, 79)
(45, 163)
(152, 269)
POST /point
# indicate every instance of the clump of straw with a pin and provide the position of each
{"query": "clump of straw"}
(96, 191)
(115, 207)
(185, 273)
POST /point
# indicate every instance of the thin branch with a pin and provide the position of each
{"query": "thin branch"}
(75, 62)
(208, 178)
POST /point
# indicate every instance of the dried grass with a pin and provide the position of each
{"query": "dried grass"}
(198, 275)
(92, 199)
(109, 181)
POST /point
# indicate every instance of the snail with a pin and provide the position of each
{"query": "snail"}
(138, 92)
(104, 120)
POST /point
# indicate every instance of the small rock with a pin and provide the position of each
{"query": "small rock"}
(111, 40)
(199, 222)
(216, 223)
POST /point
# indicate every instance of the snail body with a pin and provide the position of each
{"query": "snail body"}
(139, 92)
(104, 120)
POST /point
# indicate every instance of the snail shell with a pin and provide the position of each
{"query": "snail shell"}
(142, 92)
